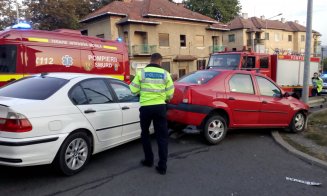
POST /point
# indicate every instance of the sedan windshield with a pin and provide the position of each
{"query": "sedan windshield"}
(35, 87)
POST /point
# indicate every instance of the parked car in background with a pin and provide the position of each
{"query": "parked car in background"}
(217, 100)
(63, 118)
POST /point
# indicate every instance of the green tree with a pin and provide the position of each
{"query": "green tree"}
(8, 14)
(221, 10)
(54, 14)
(96, 4)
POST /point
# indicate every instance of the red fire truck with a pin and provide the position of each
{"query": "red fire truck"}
(285, 70)
(24, 52)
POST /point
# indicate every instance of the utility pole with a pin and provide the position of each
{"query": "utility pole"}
(17, 11)
(306, 77)
(322, 59)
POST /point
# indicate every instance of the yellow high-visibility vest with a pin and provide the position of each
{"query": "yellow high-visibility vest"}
(154, 85)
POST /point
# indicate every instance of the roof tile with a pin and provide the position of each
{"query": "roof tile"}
(142, 10)
(254, 23)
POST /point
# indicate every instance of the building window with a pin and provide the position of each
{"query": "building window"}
(277, 37)
(166, 66)
(126, 37)
(215, 40)
(183, 40)
(201, 64)
(181, 72)
(164, 39)
(266, 36)
(231, 38)
(302, 38)
(100, 36)
(289, 38)
(199, 40)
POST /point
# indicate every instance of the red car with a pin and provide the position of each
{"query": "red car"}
(217, 100)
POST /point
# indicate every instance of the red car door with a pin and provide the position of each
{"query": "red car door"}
(242, 100)
(274, 108)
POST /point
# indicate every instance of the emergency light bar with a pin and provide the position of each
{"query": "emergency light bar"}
(22, 25)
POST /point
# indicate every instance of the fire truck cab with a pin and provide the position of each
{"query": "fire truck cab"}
(24, 52)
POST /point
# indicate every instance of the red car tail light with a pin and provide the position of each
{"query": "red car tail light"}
(187, 95)
(15, 122)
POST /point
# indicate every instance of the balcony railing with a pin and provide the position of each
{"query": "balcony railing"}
(256, 41)
(216, 48)
(144, 49)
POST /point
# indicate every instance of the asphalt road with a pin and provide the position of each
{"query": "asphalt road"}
(245, 163)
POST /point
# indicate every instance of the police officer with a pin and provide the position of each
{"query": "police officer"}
(155, 87)
(317, 83)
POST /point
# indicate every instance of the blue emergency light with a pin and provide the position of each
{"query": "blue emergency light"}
(22, 25)
(119, 39)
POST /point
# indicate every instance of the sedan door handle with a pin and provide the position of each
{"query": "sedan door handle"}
(89, 111)
(265, 102)
(231, 98)
(125, 108)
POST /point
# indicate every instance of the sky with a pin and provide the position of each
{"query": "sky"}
(291, 10)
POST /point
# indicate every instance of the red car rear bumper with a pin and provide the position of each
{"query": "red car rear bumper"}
(187, 114)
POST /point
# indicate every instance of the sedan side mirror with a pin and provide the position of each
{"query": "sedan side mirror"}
(286, 94)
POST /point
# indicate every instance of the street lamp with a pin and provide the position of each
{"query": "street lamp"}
(267, 51)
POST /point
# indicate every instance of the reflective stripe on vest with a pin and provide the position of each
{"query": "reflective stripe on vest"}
(169, 88)
(135, 85)
(150, 81)
(152, 90)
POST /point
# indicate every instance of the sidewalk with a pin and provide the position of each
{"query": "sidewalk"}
(303, 147)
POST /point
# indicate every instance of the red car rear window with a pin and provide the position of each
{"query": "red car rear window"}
(199, 77)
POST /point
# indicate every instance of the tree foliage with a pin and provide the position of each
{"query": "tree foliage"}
(8, 14)
(55, 14)
(221, 10)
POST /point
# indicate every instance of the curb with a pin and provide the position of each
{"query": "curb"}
(303, 156)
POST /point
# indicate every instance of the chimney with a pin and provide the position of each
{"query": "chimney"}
(296, 21)
(245, 15)
(282, 20)
(262, 17)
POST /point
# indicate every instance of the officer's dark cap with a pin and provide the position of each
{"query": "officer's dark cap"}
(155, 57)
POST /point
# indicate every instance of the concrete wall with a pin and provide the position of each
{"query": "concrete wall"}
(174, 28)
(240, 39)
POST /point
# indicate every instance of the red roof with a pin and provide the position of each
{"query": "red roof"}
(257, 24)
(147, 11)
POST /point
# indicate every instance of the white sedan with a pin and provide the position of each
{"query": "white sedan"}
(63, 118)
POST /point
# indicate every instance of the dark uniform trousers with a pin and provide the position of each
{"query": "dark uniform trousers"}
(157, 114)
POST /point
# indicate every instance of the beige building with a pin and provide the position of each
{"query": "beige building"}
(184, 38)
(268, 36)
